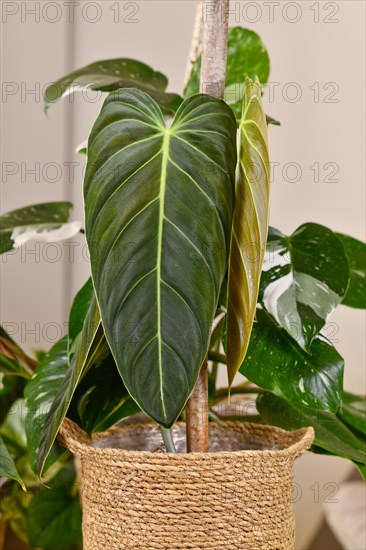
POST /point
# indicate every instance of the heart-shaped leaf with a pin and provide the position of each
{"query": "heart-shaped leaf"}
(113, 74)
(246, 57)
(250, 227)
(275, 362)
(331, 433)
(158, 210)
(356, 255)
(39, 394)
(305, 276)
(87, 352)
(7, 465)
(42, 222)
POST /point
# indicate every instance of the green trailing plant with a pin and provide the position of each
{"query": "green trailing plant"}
(43, 515)
(176, 197)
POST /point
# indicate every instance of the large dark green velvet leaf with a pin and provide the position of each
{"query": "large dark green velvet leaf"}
(356, 255)
(305, 276)
(44, 222)
(331, 434)
(250, 227)
(275, 362)
(158, 209)
(246, 57)
(113, 74)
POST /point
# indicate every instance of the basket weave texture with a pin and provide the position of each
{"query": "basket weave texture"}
(219, 500)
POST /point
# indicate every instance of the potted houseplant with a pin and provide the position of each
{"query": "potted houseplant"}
(176, 221)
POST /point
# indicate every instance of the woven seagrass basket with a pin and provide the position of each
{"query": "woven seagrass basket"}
(237, 496)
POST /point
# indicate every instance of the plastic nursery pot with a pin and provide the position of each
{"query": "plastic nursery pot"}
(239, 495)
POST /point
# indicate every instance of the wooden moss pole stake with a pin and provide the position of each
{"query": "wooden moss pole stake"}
(196, 43)
(197, 414)
(215, 19)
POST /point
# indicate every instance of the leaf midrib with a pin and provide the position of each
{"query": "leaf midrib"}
(163, 179)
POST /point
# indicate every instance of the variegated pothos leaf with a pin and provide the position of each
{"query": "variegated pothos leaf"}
(112, 74)
(305, 276)
(39, 394)
(46, 222)
(86, 350)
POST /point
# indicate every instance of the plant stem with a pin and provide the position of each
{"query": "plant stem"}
(216, 356)
(214, 24)
(197, 415)
(168, 440)
(213, 416)
(222, 393)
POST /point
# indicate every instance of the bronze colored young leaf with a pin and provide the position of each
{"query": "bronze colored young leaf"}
(250, 226)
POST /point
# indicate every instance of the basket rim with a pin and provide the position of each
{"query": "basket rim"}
(77, 441)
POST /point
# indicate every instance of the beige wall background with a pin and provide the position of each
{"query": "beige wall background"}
(317, 88)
